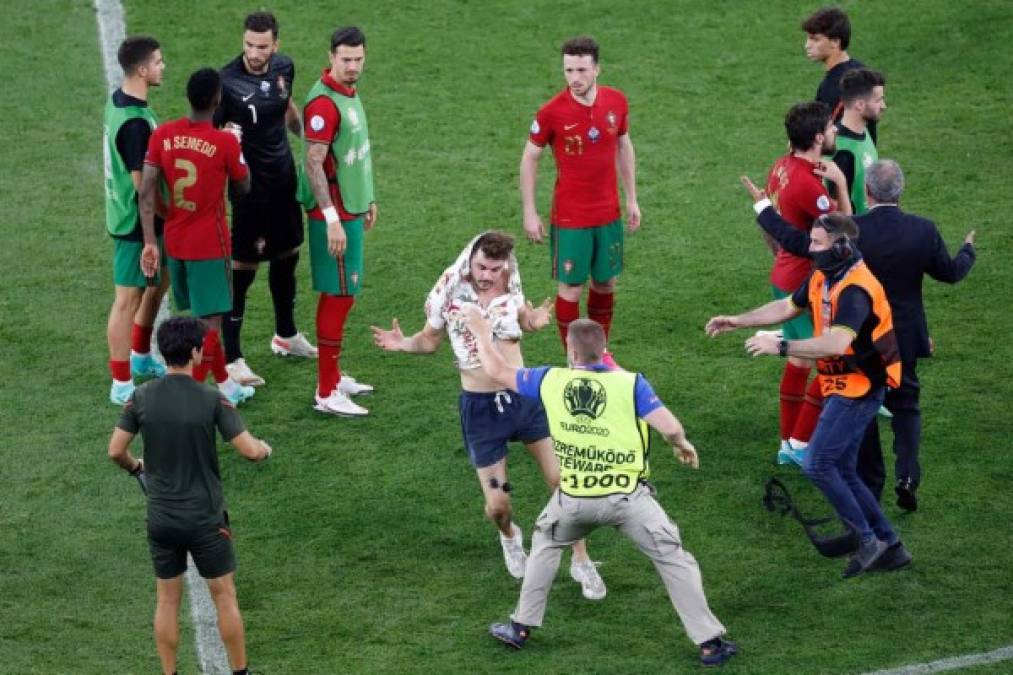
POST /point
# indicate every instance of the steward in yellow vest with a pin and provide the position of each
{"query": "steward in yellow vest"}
(598, 420)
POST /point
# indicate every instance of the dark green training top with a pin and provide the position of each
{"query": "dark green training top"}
(177, 417)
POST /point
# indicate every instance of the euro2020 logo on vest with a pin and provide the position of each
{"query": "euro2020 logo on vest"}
(583, 396)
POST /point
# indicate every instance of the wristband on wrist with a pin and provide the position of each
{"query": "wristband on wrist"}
(330, 214)
(782, 348)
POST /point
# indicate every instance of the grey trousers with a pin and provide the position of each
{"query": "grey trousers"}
(637, 515)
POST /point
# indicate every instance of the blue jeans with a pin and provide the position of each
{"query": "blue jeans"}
(832, 458)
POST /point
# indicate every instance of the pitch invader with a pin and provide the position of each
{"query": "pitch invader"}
(587, 126)
(127, 125)
(195, 160)
(342, 207)
(797, 192)
(267, 222)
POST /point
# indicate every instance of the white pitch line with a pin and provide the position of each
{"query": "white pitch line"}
(210, 650)
(954, 663)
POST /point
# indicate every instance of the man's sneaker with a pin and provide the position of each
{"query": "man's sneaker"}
(894, 558)
(513, 553)
(236, 393)
(797, 455)
(609, 361)
(869, 551)
(784, 453)
(512, 634)
(143, 365)
(591, 584)
(349, 386)
(241, 373)
(339, 404)
(716, 651)
(297, 345)
(907, 495)
(121, 392)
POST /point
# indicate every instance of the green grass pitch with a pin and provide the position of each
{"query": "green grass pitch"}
(361, 543)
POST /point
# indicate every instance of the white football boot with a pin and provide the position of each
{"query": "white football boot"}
(297, 345)
(339, 404)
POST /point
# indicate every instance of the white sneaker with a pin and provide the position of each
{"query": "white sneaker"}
(241, 373)
(339, 404)
(586, 574)
(513, 553)
(297, 345)
(349, 386)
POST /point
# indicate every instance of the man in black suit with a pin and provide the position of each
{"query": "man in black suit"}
(900, 249)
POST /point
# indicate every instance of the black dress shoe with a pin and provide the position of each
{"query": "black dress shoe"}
(907, 498)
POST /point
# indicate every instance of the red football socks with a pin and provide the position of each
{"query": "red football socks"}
(332, 311)
(809, 413)
(793, 383)
(566, 313)
(214, 359)
(120, 370)
(599, 309)
(140, 339)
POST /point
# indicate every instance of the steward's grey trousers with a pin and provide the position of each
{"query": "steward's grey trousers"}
(637, 515)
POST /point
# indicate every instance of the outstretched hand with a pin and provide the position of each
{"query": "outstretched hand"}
(720, 324)
(539, 317)
(474, 320)
(756, 193)
(763, 344)
(390, 340)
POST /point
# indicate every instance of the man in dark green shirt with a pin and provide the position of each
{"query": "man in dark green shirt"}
(177, 418)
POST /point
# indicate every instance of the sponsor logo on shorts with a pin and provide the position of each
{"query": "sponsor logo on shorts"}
(567, 266)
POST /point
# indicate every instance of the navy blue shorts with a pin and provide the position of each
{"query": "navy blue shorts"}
(490, 421)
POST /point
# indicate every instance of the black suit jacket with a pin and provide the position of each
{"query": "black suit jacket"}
(900, 249)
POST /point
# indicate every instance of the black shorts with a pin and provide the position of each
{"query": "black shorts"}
(490, 421)
(211, 548)
(267, 222)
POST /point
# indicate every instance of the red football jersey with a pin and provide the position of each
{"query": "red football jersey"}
(321, 121)
(585, 140)
(800, 197)
(196, 159)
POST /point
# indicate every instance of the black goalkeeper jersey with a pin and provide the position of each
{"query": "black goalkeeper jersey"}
(258, 104)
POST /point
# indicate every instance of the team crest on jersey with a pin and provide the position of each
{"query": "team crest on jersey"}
(282, 88)
(593, 134)
(265, 87)
(823, 203)
(584, 396)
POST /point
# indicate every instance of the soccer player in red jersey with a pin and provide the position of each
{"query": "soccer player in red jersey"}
(342, 207)
(797, 192)
(587, 126)
(195, 160)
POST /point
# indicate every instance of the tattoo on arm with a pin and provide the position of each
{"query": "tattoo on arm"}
(316, 154)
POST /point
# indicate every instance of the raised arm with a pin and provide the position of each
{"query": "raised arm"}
(493, 362)
(776, 311)
(951, 270)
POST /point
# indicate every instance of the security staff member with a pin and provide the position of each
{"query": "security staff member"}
(597, 420)
(857, 357)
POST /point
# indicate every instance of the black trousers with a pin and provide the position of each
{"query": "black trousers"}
(907, 433)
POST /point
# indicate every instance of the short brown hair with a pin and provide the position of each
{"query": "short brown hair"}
(135, 52)
(832, 22)
(587, 337)
(494, 244)
(581, 46)
(858, 83)
(837, 225)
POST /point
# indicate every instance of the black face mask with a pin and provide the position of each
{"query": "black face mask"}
(828, 262)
